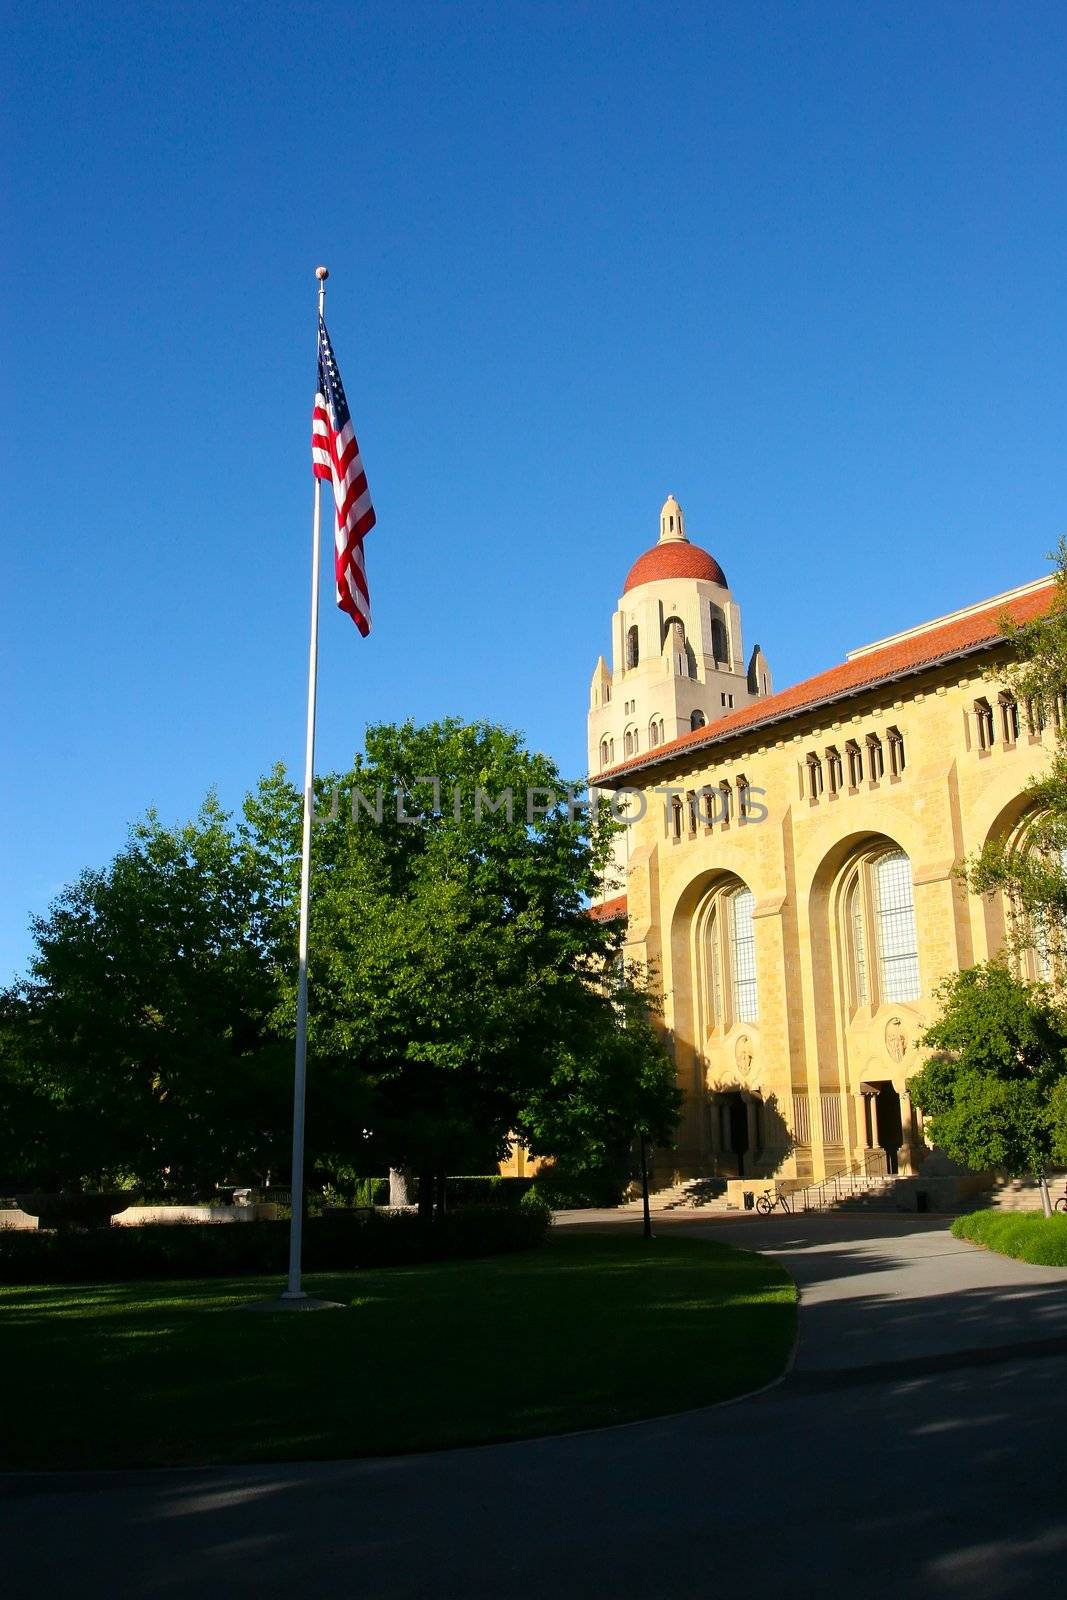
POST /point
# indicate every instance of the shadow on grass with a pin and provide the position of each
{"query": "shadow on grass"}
(584, 1332)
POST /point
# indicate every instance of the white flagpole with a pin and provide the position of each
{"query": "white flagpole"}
(293, 1290)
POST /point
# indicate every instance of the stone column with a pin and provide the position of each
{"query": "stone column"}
(909, 1156)
(750, 1114)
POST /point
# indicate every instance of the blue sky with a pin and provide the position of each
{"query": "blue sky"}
(800, 264)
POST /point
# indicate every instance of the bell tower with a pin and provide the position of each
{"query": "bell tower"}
(677, 655)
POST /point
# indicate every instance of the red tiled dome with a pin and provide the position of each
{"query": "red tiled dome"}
(674, 558)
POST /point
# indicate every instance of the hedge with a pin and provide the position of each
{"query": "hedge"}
(336, 1242)
(565, 1193)
(1025, 1235)
(561, 1191)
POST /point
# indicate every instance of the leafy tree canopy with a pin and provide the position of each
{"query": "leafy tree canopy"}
(999, 1055)
(459, 989)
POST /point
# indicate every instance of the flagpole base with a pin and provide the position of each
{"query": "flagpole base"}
(294, 1302)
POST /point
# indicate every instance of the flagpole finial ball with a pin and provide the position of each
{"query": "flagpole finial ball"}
(322, 273)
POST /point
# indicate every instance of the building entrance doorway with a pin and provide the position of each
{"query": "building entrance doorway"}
(884, 1125)
(735, 1133)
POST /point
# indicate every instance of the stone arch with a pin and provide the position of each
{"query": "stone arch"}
(867, 998)
(1011, 823)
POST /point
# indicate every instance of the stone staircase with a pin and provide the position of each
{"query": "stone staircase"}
(856, 1191)
(1023, 1194)
(703, 1194)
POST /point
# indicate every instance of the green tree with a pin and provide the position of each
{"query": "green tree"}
(459, 989)
(456, 966)
(621, 1084)
(141, 1045)
(999, 1058)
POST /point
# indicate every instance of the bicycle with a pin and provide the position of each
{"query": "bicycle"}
(766, 1203)
(1061, 1203)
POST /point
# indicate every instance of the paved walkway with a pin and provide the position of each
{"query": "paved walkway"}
(883, 1289)
(915, 1448)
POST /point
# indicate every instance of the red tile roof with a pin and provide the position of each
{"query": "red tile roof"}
(609, 908)
(675, 558)
(957, 636)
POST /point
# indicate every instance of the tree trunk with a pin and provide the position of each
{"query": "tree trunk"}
(1046, 1200)
(398, 1189)
(645, 1207)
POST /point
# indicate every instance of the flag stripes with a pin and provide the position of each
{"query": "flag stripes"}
(336, 459)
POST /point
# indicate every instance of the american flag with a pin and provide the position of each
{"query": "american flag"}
(335, 457)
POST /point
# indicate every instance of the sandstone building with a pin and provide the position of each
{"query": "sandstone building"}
(789, 869)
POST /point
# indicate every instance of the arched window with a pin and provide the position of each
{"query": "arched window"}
(878, 914)
(604, 753)
(984, 725)
(611, 749)
(653, 734)
(697, 720)
(743, 955)
(633, 648)
(875, 758)
(729, 943)
(856, 924)
(1040, 944)
(720, 640)
(898, 947)
(814, 777)
(628, 742)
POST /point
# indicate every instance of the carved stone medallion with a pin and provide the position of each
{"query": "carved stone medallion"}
(896, 1040)
(743, 1055)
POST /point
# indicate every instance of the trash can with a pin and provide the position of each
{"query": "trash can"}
(749, 1198)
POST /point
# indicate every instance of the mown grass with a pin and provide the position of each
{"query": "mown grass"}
(588, 1330)
(1025, 1235)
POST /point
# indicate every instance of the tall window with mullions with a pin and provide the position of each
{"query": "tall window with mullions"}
(898, 953)
(743, 954)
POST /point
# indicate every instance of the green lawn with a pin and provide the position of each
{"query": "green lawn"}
(590, 1329)
(1026, 1235)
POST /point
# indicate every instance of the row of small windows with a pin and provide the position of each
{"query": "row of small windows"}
(631, 742)
(1008, 715)
(715, 803)
(878, 936)
(831, 772)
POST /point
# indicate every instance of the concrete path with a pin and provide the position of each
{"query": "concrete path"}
(881, 1289)
(914, 1449)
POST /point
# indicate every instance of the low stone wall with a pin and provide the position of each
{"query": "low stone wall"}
(134, 1215)
(16, 1219)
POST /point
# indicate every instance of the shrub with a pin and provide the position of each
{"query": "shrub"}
(338, 1241)
(1024, 1235)
(564, 1192)
(490, 1190)
(532, 1201)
